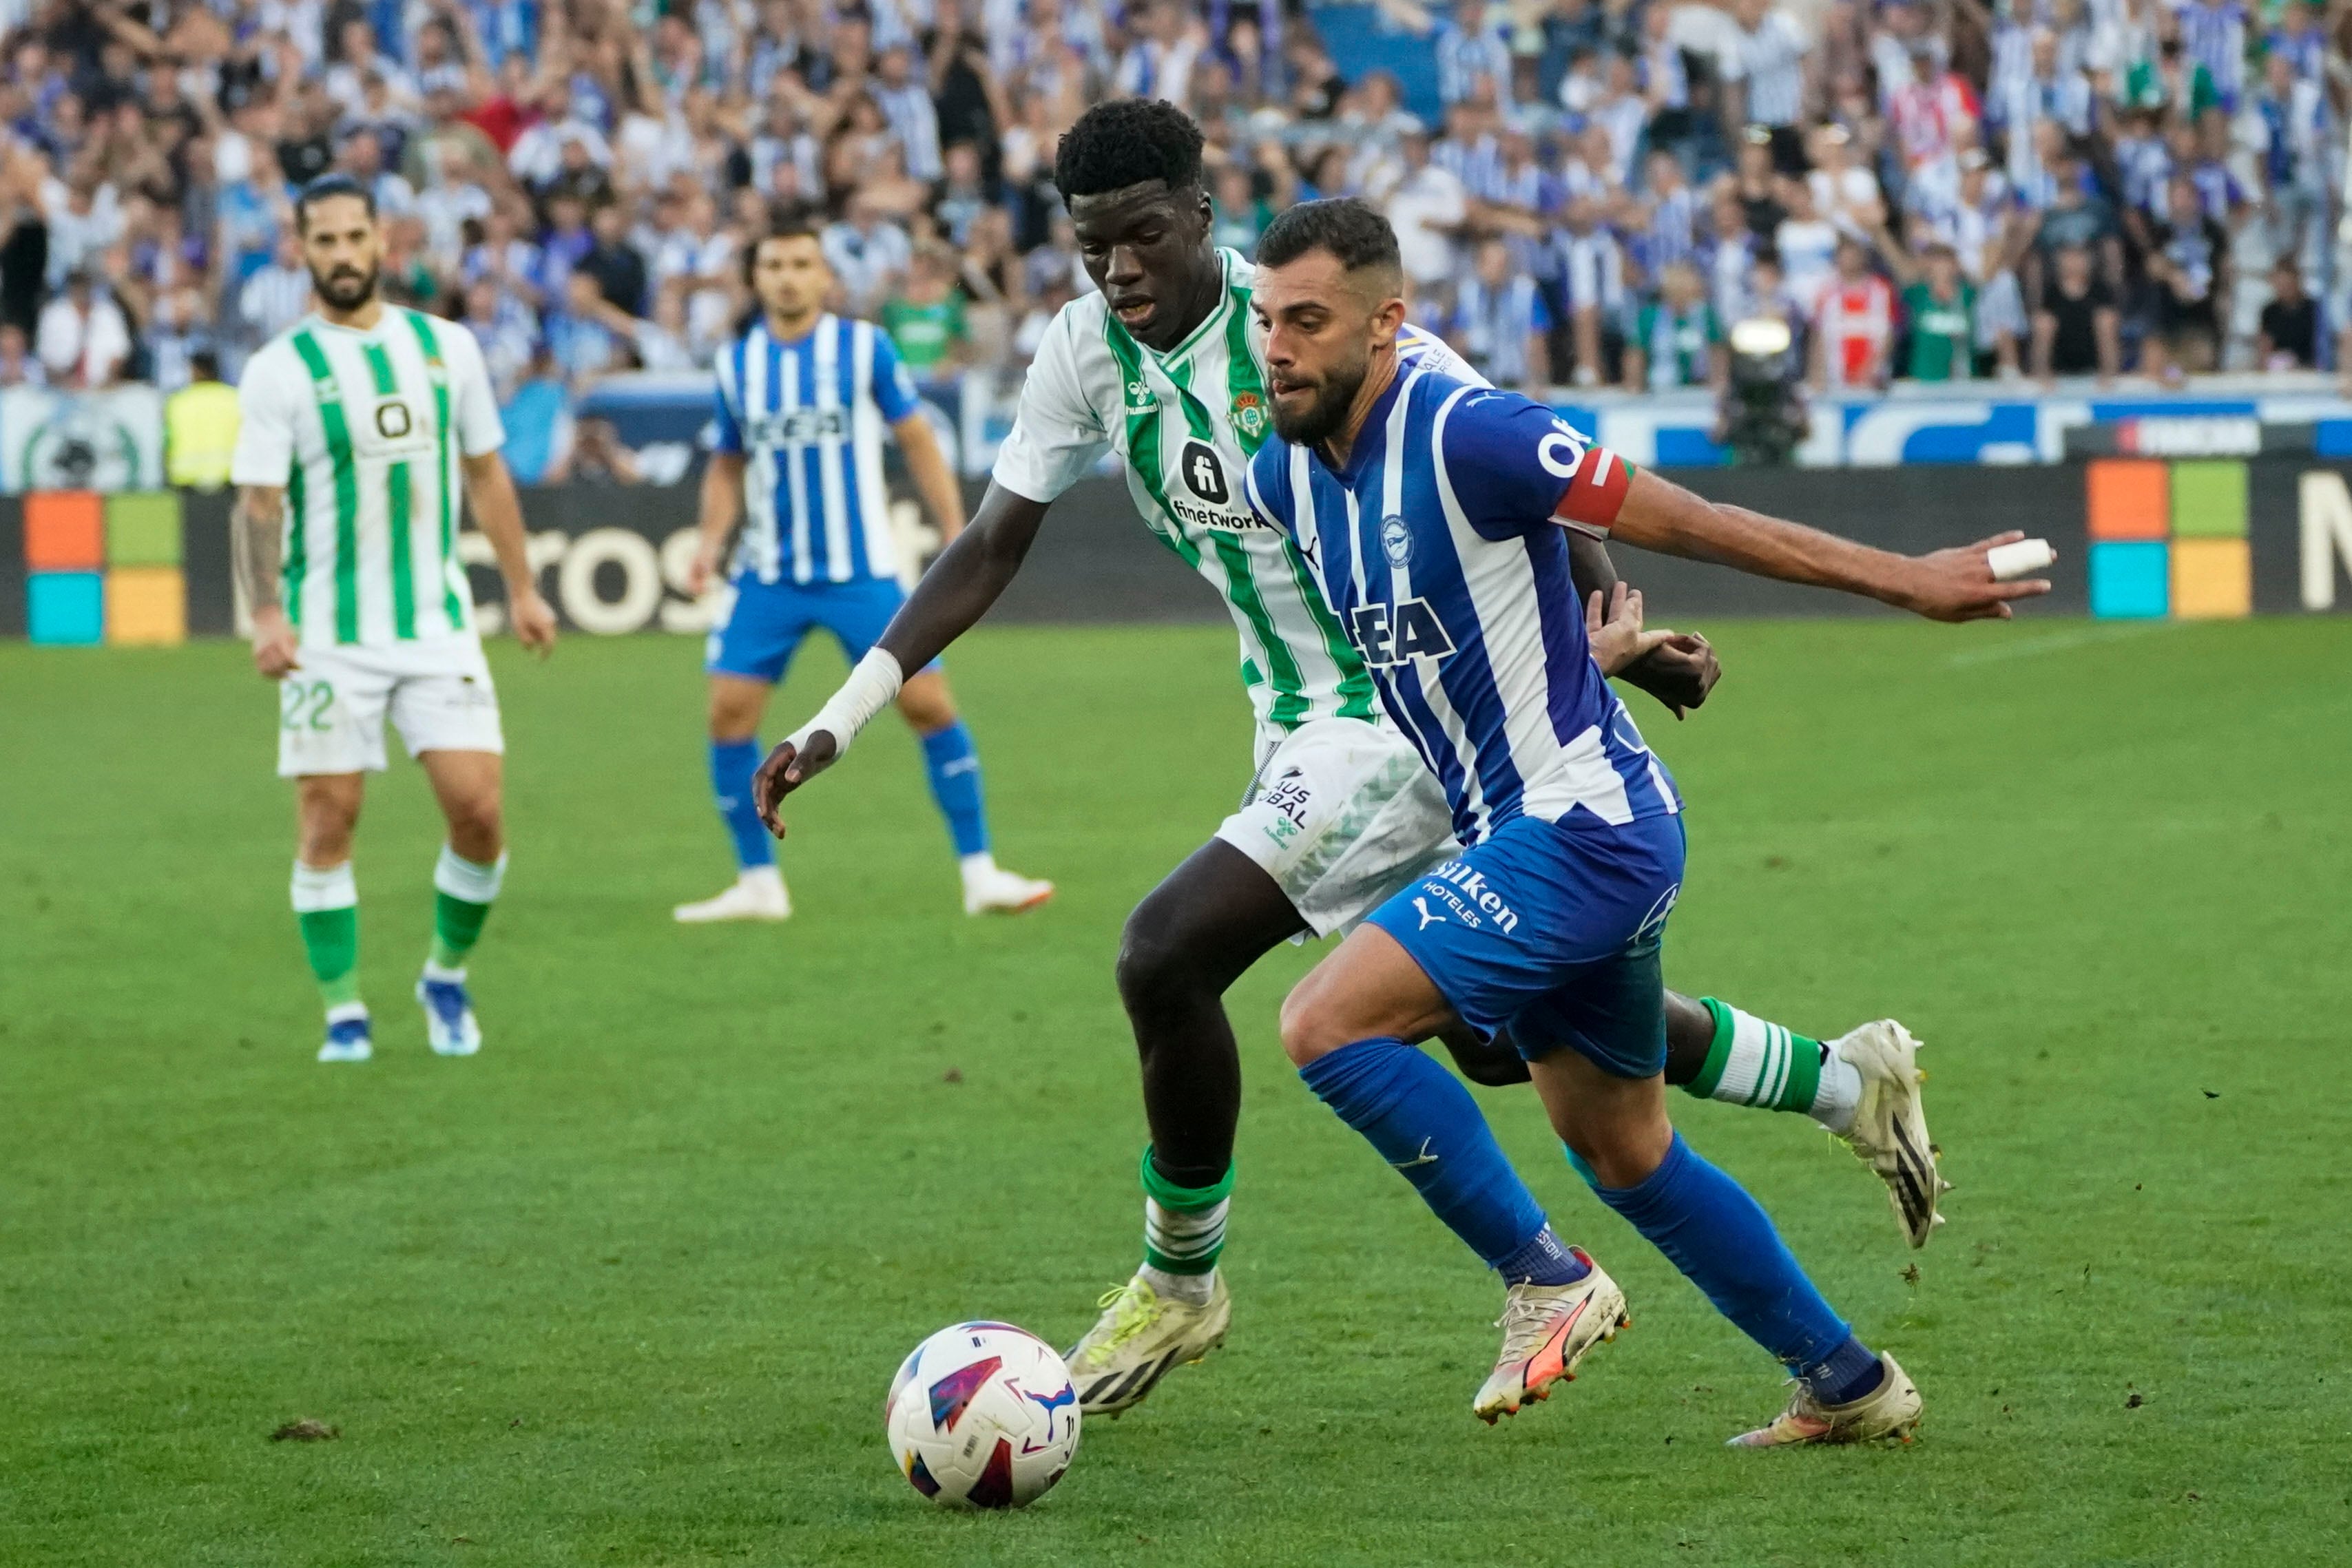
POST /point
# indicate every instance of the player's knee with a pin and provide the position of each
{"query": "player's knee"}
(925, 704)
(735, 713)
(1154, 967)
(1310, 1028)
(1620, 1150)
(477, 827)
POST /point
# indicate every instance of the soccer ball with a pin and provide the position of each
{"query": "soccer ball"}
(983, 1416)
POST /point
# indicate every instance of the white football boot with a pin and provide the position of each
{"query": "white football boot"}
(757, 895)
(1546, 1329)
(989, 889)
(1890, 1126)
(1890, 1410)
(1140, 1338)
(450, 1027)
(348, 1034)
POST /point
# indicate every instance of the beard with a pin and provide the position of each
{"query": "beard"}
(347, 287)
(1322, 419)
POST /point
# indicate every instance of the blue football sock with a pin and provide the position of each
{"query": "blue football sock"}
(1543, 1261)
(732, 763)
(1846, 1375)
(1721, 1239)
(954, 768)
(1426, 1125)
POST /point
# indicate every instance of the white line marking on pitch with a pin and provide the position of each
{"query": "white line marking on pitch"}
(2053, 642)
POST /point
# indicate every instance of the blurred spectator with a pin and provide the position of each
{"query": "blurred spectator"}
(1939, 315)
(1499, 321)
(2076, 329)
(1853, 322)
(84, 339)
(2289, 339)
(1678, 339)
(925, 316)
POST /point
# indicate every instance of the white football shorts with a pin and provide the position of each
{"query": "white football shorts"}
(331, 707)
(1341, 814)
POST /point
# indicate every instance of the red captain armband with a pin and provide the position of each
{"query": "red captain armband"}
(1595, 493)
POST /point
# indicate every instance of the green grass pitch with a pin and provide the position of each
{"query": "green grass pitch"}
(628, 1287)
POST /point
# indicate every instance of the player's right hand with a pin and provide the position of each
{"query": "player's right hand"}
(1957, 584)
(786, 769)
(274, 651)
(700, 571)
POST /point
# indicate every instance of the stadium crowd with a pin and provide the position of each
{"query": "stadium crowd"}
(1925, 189)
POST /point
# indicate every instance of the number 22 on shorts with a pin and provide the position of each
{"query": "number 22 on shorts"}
(304, 705)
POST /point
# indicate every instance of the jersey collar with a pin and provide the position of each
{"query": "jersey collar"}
(1373, 437)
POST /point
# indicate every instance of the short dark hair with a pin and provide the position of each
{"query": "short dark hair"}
(1350, 228)
(783, 222)
(324, 188)
(1126, 142)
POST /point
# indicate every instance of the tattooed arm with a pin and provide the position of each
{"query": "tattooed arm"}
(255, 525)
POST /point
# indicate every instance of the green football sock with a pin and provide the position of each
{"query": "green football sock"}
(463, 893)
(1183, 1229)
(1755, 1062)
(327, 909)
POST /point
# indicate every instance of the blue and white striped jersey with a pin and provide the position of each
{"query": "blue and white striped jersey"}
(1441, 545)
(809, 415)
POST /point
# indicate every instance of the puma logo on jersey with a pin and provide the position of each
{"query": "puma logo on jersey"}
(1388, 635)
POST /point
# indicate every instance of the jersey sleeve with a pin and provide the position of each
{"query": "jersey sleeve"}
(1514, 467)
(265, 430)
(473, 402)
(1056, 435)
(894, 389)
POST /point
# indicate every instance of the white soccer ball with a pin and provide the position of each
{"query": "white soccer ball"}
(983, 1416)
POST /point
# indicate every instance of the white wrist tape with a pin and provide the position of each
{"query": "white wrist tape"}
(870, 688)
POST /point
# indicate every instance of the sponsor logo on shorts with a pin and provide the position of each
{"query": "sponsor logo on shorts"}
(1462, 889)
(1291, 797)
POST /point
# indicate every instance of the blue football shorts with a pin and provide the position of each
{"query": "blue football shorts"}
(1555, 933)
(759, 624)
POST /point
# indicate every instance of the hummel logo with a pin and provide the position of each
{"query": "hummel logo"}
(1422, 1158)
(1427, 919)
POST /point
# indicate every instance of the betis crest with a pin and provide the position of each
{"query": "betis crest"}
(1249, 414)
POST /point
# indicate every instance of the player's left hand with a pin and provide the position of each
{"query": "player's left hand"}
(533, 621)
(786, 769)
(1678, 671)
(1957, 584)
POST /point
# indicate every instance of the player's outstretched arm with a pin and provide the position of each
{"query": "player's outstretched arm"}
(490, 490)
(1955, 584)
(961, 584)
(257, 545)
(1678, 669)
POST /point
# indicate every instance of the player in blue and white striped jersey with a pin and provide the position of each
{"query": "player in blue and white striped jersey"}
(1434, 513)
(803, 399)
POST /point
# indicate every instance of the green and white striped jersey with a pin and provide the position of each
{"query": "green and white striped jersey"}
(364, 431)
(1187, 423)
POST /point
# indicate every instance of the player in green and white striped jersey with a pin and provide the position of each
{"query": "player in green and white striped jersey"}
(1159, 368)
(365, 428)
